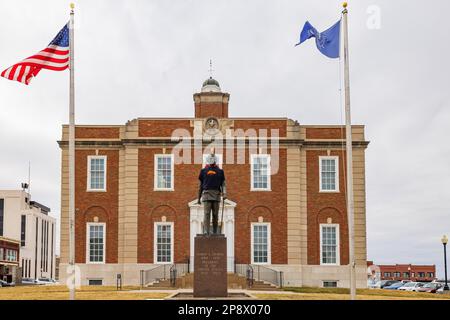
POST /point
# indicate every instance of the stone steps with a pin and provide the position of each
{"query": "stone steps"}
(235, 281)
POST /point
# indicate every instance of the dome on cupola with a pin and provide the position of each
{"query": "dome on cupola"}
(211, 85)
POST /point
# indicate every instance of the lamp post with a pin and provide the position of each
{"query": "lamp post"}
(444, 242)
(409, 272)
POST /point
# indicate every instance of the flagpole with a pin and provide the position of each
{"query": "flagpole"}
(348, 139)
(72, 158)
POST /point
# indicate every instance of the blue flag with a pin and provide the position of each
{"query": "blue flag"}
(327, 41)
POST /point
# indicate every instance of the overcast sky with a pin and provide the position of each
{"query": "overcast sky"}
(147, 58)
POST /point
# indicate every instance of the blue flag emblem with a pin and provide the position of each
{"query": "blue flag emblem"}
(328, 41)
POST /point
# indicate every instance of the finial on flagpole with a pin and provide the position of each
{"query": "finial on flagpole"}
(344, 5)
(72, 6)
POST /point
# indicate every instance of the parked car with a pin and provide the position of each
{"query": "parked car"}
(385, 283)
(431, 287)
(29, 281)
(394, 286)
(405, 281)
(44, 281)
(371, 284)
(411, 286)
(3, 283)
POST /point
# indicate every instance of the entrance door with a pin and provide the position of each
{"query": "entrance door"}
(196, 227)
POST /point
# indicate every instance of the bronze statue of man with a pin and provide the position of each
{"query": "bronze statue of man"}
(212, 187)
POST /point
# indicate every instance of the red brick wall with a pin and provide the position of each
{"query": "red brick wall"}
(152, 205)
(413, 272)
(262, 124)
(325, 133)
(100, 133)
(210, 109)
(162, 128)
(103, 205)
(325, 205)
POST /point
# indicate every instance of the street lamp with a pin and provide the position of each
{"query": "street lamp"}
(444, 242)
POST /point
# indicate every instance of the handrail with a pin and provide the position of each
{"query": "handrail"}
(246, 271)
(177, 271)
(160, 272)
(269, 275)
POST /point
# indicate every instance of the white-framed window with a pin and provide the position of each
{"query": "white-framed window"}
(11, 255)
(1, 254)
(260, 243)
(260, 172)
(329, 244)
(164, 172)
(329, 174)
(96, 175)
(163, 242)
(219, 160)
(95, 242)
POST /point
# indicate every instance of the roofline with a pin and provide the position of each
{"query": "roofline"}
(9, 240)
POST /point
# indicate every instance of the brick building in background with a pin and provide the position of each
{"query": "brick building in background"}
(412, 272)
(136, 204)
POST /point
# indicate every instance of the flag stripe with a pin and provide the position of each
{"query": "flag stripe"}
(54, 57)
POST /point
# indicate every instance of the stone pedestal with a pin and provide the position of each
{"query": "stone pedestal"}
(210, 266)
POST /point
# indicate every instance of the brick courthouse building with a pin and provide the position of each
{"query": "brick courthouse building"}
(136, 191)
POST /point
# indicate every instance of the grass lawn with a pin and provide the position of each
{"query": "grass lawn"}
(306, 293)
(54, 292)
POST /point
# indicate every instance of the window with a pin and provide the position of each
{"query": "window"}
(95, 282)
(329, 174)
(260, 172)
(11, 255)
(23, 225)
(96, 173)
(431, 274)
(95, 242)
(387, 274)
(397, 274)
(329, 284)
(163, 239)
(421, 274)
(329, 244)
(260, 234)
(405, 274)
(2, 254)
(164, 172)
(219, 160)
(2, 207)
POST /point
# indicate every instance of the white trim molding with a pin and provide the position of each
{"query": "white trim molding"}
(269, 170)
(338, 244)
(88, 185)
(155, 172)
(155, 244)
(336, 159)
(88, 225)
(269, 242)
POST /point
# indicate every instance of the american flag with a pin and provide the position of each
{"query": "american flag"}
(54, 57)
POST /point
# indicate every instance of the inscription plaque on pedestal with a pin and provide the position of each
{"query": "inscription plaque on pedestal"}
(210, 266)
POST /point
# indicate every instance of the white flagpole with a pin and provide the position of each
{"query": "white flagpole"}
(348, 139)
(72, 158)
